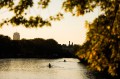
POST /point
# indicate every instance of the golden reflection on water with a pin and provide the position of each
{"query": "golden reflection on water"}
(38, 69)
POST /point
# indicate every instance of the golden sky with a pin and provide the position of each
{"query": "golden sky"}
(70, 28)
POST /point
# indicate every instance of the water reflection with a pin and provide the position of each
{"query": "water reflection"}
(38, 69)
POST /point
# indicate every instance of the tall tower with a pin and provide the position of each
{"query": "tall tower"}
(69, 43)
(16, 36)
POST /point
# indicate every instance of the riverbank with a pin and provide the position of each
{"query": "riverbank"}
(97, 74)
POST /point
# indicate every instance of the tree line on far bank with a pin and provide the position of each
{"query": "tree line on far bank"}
(33, 48)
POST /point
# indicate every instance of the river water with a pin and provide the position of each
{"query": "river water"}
(38, 69)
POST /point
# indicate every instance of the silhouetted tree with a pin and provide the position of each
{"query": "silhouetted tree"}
(33, 48)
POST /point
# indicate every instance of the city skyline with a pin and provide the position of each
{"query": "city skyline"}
(70, 28)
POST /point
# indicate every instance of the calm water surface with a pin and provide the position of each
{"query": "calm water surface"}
(38, 69)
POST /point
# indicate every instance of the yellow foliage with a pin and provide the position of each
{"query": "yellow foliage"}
(111, 70)
(90, 57)
(82, 56)
(93, 64)
(98, 68)
(96, 57)
(94, 53)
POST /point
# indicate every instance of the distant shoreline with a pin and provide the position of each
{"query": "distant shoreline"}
(33, 58)
(35, 48)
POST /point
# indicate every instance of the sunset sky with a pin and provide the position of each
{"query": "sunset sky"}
(68, 29)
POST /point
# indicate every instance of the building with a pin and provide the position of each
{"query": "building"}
(70, 44)
(16, 36)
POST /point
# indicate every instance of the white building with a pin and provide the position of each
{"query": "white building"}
(16, 36)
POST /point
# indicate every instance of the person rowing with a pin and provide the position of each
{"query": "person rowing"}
(64, 60)
(50, 65)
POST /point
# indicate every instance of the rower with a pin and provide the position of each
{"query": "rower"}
(64, 60)
(49, 65)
